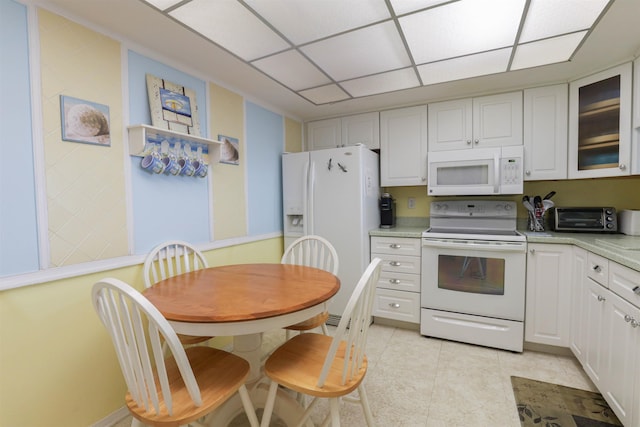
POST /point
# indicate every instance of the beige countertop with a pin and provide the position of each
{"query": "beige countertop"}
(620, 248)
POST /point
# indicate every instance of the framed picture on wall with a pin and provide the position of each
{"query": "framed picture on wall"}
(173, 107)
(229, 150)
(84, 121)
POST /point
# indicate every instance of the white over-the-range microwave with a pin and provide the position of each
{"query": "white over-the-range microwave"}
(476, 171)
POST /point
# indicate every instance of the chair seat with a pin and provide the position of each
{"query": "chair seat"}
(219, 376)
(190, 339)
(314, 322)
(298, 362)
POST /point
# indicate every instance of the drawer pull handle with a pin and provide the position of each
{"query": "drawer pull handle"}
(601, 298)
(394, 305)
(636, 290)
(394, 246)
(394, 263)
(394, 281)
(597, 268)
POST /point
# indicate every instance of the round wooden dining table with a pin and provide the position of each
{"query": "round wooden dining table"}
(243, 301)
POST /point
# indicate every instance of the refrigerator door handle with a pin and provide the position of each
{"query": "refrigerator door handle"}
(310, 176)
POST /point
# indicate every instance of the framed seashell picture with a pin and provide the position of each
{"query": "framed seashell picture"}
(229, 150)
(84, 121)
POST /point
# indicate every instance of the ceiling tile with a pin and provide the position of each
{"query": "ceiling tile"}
(305, 21)
(163, 4)
(549, 18)
(381, 83)
(548, 51)
(480, 64)
(462, 28)
(293, 70)
(232, 26)
(325, 94)
(367, 51)
(400, 7)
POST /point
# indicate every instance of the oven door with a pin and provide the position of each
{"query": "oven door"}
(485, 278)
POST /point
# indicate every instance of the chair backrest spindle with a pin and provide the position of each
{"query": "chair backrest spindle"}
(353, 328)
(171, 258)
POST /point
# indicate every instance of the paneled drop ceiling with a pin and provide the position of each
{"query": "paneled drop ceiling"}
(322, 58)
(332, 50)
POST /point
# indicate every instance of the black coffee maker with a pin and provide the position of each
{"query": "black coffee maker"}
(387, 211)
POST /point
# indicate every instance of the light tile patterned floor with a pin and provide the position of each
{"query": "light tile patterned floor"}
(415, 381)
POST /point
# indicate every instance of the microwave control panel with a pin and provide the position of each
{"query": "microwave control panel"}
(511, 171)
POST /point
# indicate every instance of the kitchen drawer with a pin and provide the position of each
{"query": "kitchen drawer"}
(399, 263)
(623, 280)
(396, 245)
(399, 281)
(598, 269)
(397, 305)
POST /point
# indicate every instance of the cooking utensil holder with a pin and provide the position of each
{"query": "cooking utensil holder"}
(536, 220)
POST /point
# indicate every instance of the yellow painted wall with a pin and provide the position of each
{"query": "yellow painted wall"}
(57, 364)
(85, 183)
(229, 203)
(621, 193)
(292, 135)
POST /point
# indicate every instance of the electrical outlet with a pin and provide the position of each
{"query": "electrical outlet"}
(411, 204)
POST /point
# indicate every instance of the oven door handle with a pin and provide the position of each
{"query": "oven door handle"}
(481, 245)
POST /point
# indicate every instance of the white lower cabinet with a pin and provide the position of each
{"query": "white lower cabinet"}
(398, 290)
(547, 319)
(605, 332)
(578, 333)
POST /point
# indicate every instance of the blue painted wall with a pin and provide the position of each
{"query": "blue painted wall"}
(165, 207)
(18, 224)
(265, 142)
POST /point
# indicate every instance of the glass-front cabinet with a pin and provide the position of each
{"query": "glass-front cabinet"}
(600, 124)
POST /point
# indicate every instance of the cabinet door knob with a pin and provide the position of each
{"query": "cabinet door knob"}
(622, 166)
(532, 251)
(528, 173)
(634, 323)
(477, 141)
(468, 142)
(627, 318)
(636, 290)
(597, 268)
(394, 305)
(601, 298)
(394, 263)
(424, 179)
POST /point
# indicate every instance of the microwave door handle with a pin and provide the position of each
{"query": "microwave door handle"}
(496, 174)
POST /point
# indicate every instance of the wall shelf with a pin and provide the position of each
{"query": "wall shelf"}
(144, 137)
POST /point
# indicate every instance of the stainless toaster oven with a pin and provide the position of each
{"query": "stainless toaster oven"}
(585, 219)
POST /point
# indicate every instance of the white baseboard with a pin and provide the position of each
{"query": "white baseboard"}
(112, 418)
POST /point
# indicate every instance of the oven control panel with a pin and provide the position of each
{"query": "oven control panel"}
(477, 208)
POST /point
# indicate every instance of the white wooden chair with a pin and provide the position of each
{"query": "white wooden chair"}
(324, 367)
(169, 259)
(177, 390)
(312, 251)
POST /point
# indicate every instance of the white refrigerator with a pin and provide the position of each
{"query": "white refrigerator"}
(334, 193)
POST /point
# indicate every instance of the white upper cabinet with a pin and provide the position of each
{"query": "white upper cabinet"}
(545, 132)
(344, 131)
(403, 147)
(324, 134)
(600, 124)
(362, 129)
(487, 121)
